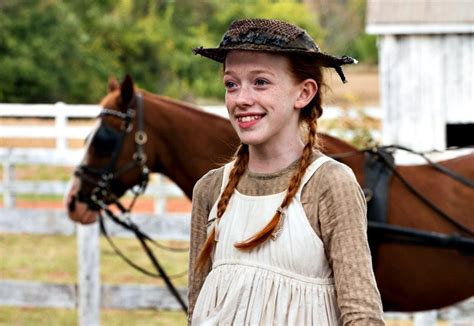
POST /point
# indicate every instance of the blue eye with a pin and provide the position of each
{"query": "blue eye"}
(229, 84)
(261, 82)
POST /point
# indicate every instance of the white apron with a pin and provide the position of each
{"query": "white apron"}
(286, 281)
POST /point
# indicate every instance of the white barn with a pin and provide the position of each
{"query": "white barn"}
(426, 66)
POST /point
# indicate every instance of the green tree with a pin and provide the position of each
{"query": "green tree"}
(57, 50)
(344, 24)
(48, 54)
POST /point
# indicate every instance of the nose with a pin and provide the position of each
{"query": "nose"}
(244, 97)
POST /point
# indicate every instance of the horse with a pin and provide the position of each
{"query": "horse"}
(184, 142)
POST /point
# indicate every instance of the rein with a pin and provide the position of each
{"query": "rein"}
(102, 196)
(440, 168)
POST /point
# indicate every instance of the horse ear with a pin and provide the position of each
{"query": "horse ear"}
(113, 84)
(126, 90)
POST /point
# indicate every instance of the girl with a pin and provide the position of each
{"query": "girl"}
(278, 234)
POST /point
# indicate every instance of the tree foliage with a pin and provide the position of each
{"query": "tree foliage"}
(58, 50)
(344, 24)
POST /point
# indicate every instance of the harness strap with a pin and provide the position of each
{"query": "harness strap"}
(376, 187)
(423, 198)
(385, 233)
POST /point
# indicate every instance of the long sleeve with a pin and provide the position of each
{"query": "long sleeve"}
(339, 216)
(204, 196)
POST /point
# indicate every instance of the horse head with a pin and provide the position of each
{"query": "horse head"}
(116, 157)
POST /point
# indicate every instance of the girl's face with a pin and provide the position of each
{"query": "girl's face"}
(262, 98)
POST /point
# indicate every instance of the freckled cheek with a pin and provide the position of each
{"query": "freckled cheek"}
(229, 103)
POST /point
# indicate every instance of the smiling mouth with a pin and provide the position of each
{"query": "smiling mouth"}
(249, 118)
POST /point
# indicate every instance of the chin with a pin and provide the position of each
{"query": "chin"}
(251, 139)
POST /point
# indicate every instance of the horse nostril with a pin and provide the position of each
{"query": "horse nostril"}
(72, 204)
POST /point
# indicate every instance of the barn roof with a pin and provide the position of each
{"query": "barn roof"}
(420, 16)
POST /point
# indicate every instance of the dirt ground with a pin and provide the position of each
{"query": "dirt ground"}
(361, 90)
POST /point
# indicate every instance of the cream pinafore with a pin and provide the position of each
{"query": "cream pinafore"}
(286, 281)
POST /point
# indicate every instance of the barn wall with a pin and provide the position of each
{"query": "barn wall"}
(426, 82)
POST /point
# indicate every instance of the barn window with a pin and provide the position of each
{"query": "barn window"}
(460, 134)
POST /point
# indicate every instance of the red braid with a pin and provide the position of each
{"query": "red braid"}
(241, 161)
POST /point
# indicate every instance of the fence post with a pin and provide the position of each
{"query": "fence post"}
(9, 200)
(60, 122)
(88, 274)
(160, 200)
(425, 318)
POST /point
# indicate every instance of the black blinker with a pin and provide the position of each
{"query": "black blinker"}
(105, 140)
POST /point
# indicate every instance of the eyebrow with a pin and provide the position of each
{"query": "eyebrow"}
(254, 72)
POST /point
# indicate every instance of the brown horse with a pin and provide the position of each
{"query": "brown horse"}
(185, 142)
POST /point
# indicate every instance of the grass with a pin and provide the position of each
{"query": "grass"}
(41, 172)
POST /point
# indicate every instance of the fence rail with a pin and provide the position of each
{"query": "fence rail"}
(50, 295)
(170, 226)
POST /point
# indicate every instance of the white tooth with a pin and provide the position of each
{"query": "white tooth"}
(248, 118)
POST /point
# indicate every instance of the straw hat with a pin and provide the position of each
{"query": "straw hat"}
(272, 36)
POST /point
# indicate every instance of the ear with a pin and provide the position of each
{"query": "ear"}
(307, 90)
(113, 84)
(126, 90)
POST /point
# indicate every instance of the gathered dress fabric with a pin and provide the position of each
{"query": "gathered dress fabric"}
(284, 281)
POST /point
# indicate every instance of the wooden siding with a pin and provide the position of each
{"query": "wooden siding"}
(426, 82)
(420, 11)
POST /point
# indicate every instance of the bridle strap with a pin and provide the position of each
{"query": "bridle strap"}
(141, 137)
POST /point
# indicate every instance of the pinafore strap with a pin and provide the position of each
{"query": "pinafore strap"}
(225, 178)
(312, 168)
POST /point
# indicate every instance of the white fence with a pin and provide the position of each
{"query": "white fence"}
(88, 295)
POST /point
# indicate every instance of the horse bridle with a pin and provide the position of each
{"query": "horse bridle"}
(102, 196)
(102, 179)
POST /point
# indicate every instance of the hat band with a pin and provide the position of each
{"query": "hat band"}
(261, 39)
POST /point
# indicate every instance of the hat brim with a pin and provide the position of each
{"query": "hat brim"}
(325, 60)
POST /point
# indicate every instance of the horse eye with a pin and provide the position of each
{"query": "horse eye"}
(105, 140)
